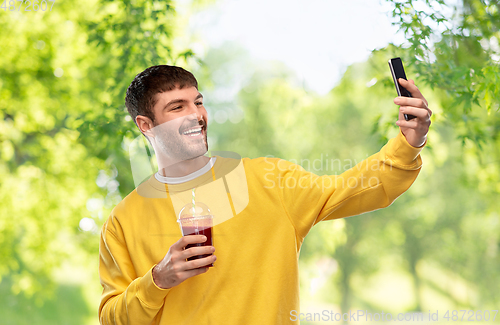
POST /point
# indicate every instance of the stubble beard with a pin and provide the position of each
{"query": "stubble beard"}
(177, 147)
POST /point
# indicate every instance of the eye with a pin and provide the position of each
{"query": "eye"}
(199, 103)
(176, 108)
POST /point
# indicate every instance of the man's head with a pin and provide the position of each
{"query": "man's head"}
(168, 109)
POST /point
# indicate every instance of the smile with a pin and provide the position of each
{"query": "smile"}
(193, 132)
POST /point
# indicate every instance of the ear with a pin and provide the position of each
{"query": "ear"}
(145, 125)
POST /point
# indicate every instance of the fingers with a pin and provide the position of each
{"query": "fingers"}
(186, 240)
(174, 269)
(410, 86)
(180, 257)
(417, 103)
(418, 112)
(195, 251)
(420, 124)
(415, 130)
(419, 129)
(183, 268)
(195, 264)
(409, 101)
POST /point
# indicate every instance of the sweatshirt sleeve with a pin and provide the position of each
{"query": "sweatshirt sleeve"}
(127, 298)
(372, 184)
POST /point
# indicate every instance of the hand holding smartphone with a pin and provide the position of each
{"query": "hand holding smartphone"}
(397, 72)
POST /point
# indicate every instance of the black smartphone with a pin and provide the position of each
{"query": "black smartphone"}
(398, 71)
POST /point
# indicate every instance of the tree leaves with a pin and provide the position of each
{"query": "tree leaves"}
(62, 123)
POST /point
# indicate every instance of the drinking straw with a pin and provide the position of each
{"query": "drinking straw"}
(194, 211)
(194, 202)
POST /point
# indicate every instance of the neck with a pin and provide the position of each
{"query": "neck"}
(181, 168)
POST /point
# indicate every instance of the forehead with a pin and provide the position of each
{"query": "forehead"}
(188, 94)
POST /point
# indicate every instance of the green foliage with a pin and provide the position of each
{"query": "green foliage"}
(68, 306)
(455, 49)
(64, 74)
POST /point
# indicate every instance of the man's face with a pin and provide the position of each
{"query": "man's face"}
(180, 129)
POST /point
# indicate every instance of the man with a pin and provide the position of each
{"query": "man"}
(143, 261)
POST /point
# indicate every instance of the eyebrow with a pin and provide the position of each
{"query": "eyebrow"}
(177, 101)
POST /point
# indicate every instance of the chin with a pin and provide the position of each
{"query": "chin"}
(200, 153)
(193, 154)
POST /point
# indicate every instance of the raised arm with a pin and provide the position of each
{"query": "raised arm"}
(372, 184)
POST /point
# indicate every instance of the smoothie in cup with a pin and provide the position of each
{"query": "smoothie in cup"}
(197, 220)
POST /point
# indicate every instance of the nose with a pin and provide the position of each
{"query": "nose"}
(197, 112)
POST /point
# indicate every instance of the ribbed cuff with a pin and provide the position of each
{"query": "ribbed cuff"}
(149, 292)
(400, 153)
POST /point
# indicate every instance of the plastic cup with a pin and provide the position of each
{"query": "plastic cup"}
(197, 220)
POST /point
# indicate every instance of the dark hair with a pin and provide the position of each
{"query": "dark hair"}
(141, 94)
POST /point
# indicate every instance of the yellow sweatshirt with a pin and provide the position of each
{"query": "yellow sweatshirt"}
(259, 229)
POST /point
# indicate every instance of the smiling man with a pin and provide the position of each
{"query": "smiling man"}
(175, 121)
(263, 209)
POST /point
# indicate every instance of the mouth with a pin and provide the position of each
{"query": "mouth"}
(196, 132)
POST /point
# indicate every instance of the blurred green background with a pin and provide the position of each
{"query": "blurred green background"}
(64, 136)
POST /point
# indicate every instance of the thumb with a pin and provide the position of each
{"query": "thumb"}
(405, 82)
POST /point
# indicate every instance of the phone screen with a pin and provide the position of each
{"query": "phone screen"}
(398, 71)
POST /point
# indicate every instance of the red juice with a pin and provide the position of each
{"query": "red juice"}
(190, 230)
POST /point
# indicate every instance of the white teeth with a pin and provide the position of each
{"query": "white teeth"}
(193, 132)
